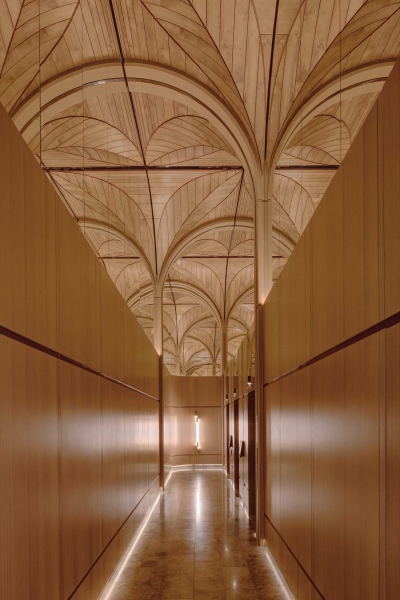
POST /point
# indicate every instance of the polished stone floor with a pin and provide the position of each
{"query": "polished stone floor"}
(198, 544)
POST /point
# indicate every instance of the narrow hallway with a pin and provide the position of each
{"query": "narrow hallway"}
(198, 544)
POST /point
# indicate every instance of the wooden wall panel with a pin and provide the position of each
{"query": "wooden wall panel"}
(302, 304)
(333, 425)
(41, 299)
(392, 462)
(323, 469)
(79, 294)
(43, 433)
(300, 585)
(183, 398)
(79, 451)
(113, 459)
(362, 469)
(389, 132)
(287, 322)
(304, 469)
(30, 557)
(80, 473)
(327, 269)
(328, 474)
(28, 298)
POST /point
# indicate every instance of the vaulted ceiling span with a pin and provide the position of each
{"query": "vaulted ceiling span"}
(163, 123)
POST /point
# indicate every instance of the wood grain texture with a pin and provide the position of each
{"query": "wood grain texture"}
(337, 268)
(30, 513)
(392, 461)
(78, 452)
(184, 397)
(313, 70)
(332, 464)
(323, 470)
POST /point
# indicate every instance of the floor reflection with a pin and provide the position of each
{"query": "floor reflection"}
(199, 545)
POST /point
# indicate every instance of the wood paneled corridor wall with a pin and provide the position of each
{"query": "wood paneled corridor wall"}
(332, 383)
(79, 431)
(240, 425)
(184, 397)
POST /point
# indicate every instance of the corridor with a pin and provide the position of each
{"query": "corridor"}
(198, 544)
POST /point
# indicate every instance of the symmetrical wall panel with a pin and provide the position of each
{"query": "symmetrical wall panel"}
(79, 427)
(331, 380)
(184, 397)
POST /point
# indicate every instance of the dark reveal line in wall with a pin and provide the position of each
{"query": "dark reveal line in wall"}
(112, 539)
(17, 337)
(385, 324)
(295, 557)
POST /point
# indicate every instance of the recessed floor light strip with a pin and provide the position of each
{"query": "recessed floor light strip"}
(114, 579)
(180, 468)
(112, 539)
(295, 558)
(278, 574)
(276, 570)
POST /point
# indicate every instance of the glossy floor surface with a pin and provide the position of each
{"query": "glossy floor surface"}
(197, 544)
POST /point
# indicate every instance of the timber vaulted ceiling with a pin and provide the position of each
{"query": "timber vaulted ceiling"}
(162, 123)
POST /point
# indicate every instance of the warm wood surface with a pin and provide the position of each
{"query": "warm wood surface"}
(392, 461)
(78, 451)
(332, 464)
(183, 398)
(198, 84)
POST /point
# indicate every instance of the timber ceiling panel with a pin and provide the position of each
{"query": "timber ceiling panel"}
(159, 120)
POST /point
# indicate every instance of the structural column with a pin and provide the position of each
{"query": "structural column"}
(224, 349)
(263, 285)
(158, 319)
(158, 345)
(224, 370)
(177, 364)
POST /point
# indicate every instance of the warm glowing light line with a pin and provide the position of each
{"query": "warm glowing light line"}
(110, 585)
(278, 574)
(194, 468)
(197, 432)
(168, 478)
(197, 468)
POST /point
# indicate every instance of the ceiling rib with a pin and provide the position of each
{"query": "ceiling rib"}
(176, 314)
(114, 18)
(271, 64)
(307, 167)
(211, 256)
(230, 241)
(144, 168)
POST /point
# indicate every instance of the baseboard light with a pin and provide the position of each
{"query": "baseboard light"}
(201, 467)
(168, 478)
(278, 574)
(108, 590)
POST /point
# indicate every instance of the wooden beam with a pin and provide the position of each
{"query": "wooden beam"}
(144, 168)
(306, 167)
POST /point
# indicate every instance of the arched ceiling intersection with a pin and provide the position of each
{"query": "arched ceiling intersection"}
(153, 119)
